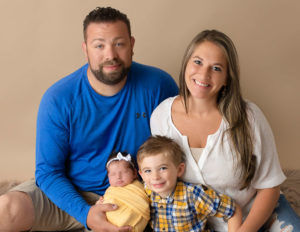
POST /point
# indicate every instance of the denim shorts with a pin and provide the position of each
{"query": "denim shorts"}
(283, 218)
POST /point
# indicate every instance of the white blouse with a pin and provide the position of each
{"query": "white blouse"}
(196, 153)
(216, 166)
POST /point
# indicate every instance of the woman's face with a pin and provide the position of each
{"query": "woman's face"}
(206, 71)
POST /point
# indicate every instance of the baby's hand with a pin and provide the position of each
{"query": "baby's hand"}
(100, 201)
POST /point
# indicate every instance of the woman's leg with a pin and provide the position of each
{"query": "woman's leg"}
(283, 219)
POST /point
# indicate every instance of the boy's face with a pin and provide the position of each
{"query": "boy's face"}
(160, 173)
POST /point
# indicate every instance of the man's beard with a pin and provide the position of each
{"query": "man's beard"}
(112, 78)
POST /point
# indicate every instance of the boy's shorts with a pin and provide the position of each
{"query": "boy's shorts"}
(48, 217)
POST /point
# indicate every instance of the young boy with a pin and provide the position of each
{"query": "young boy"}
(177, 205)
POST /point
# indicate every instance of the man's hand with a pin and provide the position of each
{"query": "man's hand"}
(97, 221)
(100, 201)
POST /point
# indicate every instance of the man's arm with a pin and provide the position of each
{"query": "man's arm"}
(166, 88)
(52, 151)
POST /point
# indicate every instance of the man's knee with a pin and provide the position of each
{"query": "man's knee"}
(16, 211)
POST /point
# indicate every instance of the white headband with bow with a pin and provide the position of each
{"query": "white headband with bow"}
(119, 158)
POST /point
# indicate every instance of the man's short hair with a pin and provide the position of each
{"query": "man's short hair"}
(105, 14)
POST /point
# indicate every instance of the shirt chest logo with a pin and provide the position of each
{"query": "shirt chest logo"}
(141, 115)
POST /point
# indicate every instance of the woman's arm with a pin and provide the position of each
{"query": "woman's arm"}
(263, 206)
(235, 222)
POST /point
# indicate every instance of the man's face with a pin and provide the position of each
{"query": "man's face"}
(109, 49)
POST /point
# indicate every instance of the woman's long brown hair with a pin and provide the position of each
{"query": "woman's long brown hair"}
(230, 102)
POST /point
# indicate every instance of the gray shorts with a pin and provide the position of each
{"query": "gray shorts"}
(48, 217)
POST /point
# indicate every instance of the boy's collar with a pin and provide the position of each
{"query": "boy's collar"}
(175, 195)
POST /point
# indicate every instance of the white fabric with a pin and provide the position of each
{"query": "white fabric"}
(216, 167)
(196, 153)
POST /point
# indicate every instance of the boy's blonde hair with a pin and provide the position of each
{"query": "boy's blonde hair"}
(155, 145)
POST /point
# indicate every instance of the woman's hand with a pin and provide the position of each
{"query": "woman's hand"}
(235, 222)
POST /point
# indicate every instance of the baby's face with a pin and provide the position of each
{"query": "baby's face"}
(120, 173)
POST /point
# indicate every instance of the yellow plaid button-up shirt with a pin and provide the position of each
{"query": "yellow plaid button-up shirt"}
(188, 208)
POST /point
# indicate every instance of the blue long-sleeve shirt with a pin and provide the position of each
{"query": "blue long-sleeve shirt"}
(77, 129)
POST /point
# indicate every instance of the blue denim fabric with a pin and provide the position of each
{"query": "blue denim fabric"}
(283, 219)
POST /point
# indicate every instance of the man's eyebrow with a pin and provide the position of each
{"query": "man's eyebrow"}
(117, 38)
(103, 40)
(98, 39)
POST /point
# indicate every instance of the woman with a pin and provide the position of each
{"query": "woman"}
(228, 141)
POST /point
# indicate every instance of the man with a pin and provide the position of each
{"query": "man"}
(103, 106)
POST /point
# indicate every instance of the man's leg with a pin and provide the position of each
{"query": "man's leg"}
(16, 212)
(42, 214)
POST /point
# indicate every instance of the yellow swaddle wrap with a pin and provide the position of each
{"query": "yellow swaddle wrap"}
(133, 206)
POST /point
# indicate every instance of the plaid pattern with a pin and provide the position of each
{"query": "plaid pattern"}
(188, 208)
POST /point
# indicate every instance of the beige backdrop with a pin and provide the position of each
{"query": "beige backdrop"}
(40, 43)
